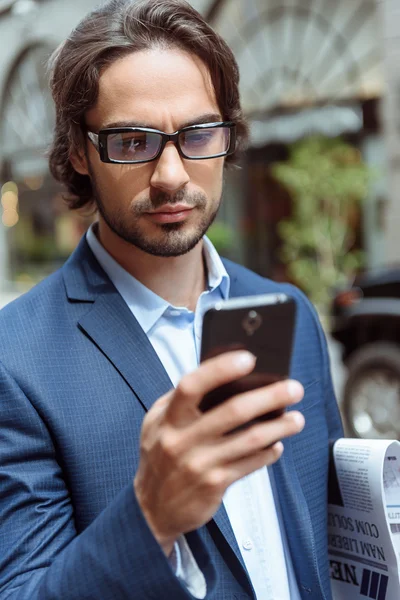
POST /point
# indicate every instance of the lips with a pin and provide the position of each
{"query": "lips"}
(172, 208)
(170, 213)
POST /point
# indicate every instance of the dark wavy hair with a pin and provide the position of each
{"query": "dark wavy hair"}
(108, 33)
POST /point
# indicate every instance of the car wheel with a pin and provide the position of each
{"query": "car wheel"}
(371, 399)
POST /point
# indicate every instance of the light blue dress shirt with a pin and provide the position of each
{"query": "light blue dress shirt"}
(175, 334)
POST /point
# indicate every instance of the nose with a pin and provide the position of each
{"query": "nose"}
(169, 174)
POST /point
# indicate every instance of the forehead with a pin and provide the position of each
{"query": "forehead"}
(161, 88)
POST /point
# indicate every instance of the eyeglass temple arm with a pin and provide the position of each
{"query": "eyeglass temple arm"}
(94, 138)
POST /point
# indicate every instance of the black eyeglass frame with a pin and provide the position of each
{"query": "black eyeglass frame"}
(99, 141)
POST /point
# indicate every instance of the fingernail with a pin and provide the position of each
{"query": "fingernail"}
(244, 360)
(295, 390)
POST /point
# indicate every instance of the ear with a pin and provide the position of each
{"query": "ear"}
(79, 162)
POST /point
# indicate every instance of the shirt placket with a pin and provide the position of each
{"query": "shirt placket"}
(260, 546)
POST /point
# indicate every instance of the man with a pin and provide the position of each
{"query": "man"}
(98, 499)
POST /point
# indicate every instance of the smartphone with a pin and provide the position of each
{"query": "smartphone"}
(263, 325)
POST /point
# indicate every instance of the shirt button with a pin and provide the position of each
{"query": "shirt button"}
(247, 544)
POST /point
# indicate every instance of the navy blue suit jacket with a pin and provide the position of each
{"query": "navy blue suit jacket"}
(77, 374)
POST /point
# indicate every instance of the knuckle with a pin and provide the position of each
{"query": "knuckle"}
(215, 480)
(237, 411)
(256, 437)
(193, 469)
(170, 445)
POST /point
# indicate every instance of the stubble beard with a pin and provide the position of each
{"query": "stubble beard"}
(173, 240)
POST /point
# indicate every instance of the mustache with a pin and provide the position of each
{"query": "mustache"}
(155, 201)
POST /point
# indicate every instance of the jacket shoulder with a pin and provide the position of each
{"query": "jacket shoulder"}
(29, 322)
(35, 301)
(250, 282)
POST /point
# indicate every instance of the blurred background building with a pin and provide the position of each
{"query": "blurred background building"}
(308, 68)
(36, 233)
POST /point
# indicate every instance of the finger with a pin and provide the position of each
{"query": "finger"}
(223, 477)
(210, 374)
(243, 408)
(238, 469)
(255, 439)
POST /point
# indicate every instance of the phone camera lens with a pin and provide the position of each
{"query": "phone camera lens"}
(251, 322)
(253, 316)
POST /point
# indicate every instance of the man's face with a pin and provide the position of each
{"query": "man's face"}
(165, 90)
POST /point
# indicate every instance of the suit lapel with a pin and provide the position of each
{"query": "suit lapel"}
(296, 520)
(109, 323)
(221, 519)
(113, 328)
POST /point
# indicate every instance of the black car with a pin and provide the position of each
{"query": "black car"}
(366, 321)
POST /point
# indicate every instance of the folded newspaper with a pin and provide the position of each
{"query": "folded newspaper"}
(364, 519)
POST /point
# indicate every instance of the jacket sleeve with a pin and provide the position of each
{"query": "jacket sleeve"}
(333, 418)
(42, 557)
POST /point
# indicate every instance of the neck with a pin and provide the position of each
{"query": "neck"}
(179, 280)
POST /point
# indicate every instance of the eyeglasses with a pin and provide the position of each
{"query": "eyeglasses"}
(140, 144)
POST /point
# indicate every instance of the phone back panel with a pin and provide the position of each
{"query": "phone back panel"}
(264, 330)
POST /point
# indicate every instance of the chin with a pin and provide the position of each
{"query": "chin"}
(171, 244)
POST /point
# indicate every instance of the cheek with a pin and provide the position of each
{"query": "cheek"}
(123, 181)
(209, 177)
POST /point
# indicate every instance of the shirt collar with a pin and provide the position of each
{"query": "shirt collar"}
(217, 274)
(147, 306)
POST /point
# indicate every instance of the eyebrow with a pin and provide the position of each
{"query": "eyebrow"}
(207, 118)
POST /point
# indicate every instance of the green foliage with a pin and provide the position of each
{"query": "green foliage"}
(222, 236)
(327, 180)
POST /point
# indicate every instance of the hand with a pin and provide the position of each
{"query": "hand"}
(187, 462)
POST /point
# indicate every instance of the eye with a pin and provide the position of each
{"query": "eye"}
(127, 145)
(198, 138)
(133, 146)
(134, 142)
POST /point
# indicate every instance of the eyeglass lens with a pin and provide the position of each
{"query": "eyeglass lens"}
(141, 145)
(204, 142)
(138, 145)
